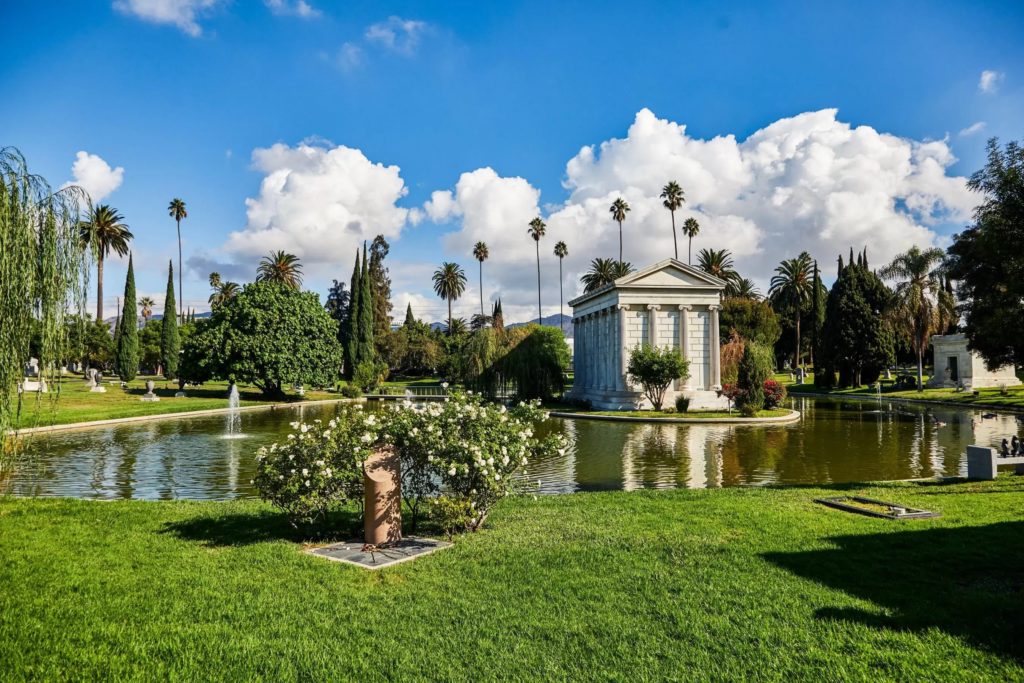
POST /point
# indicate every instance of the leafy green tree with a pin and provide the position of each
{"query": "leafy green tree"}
(537, 230)
(756, 367)
(535, 361)
(654, 368)
(619, 209)
(176, 210)
(270, 336)
(90, 343)
(449, 284)
(672, 196)
(149, 346)
(410, 319)
(751, 319)
(987, 261)
(128, 338)
(920, 304)
(604, 271)
(380, 288)
(222, 290)
(365, 350)
(790, 291)
(170, 340)
(481, 253)
(691, 228)
(280, 267)
(102, 232)
(347, 330)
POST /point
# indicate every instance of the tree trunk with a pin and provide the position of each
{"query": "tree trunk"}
(449, 316)
(920, 370)
(675, 243)
(797, 356)
(539, 314)
(481, 289)
(620, 241)
(99, 287)
(689, 252)
(181, 298)
(560, 313)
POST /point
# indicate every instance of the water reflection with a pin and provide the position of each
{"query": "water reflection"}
(835, 441)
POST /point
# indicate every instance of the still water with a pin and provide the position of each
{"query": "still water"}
(835, 441)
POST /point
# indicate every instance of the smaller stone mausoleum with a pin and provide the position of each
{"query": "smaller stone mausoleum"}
(955, 364)
(669, 304)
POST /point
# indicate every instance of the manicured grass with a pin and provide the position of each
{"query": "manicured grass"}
(77, 404)
(736, 584)
(1010, 397)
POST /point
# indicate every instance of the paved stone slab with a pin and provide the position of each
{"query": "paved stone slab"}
(352, 552)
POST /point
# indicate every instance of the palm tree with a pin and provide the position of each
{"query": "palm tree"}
(619, 209)
(146, 304)
(223, 291)
(215, 280)
(920, 303)
(103, 231)
(690, 228)
(536, 231)
(177, 211)
(604, 271)
(717, 262)
(281, 267)
(791, 287)
(673, 196)
(480, 253)
(449, 284)
(742, 288)
(561, 251)
(457, 326)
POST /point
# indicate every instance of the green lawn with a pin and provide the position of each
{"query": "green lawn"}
(77, 404)
(1010, 397)
(736, 584)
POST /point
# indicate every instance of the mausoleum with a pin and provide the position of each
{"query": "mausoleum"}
(669, 304)
(956, 365)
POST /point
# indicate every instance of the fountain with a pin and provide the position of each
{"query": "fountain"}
(233, 425)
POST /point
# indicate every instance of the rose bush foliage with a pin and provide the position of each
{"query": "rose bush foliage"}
(473, 452)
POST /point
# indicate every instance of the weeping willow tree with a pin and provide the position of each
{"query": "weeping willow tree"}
(43, 277)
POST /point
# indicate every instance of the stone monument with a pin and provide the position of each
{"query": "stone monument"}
(97, 382)
(149, 395)
(383, 499)
(956, 365)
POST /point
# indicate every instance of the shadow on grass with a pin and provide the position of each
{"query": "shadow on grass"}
(262, 527)
(968, 582)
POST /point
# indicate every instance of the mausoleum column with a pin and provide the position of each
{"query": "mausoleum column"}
(607, 350)
(652, 325)
(684, 340)
(623, 347)
(715, 351)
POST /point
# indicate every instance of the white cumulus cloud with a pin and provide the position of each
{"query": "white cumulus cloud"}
(320, 203)
(95, 176)
(989, 81)
(397, 34)
(808, 182)
(180, 13)
(297, 8)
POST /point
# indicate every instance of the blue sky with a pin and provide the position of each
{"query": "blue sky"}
(179, 94)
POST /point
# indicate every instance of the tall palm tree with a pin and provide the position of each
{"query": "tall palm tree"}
(673, 198)
(480, 253)
(561, 251)
(920, 302)
(619, 209)
(215, 280)
(449, 284)
(604, 271)
(146, 304)
(742, 288)
(791, 287)
(176, 209)
(536, 230)
(104, 230)
(281, 267)
(223, 291)
(717, 262)
(690, 228)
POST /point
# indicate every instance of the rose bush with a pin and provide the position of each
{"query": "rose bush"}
(468, 450)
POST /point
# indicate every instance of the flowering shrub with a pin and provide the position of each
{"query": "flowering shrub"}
(319, 465)
(731, 392)
(774, 393)
(473, 452)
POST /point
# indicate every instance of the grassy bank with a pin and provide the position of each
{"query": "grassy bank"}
(736, 584)
(77, 404)
(1008, 397)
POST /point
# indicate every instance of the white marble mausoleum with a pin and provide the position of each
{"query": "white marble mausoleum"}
(668, 304)
(956, 365)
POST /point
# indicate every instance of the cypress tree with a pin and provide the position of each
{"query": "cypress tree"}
(348, 325)
(409, 319)
(170, 341)
(128, 338)
(365, 351)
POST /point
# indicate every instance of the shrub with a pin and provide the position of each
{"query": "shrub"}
(682, 404)
(452, 513)
(369, 375)
(654, 369)
(731, 353)
(774, 394)
(755, 368)
(732, 392)
(351, 391)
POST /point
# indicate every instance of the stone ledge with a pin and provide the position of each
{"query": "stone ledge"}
(793, 416)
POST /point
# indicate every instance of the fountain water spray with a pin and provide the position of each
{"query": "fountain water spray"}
(233, 427)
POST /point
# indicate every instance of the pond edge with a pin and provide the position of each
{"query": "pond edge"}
(793, 416)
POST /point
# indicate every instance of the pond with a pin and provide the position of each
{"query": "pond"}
(835, 441)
